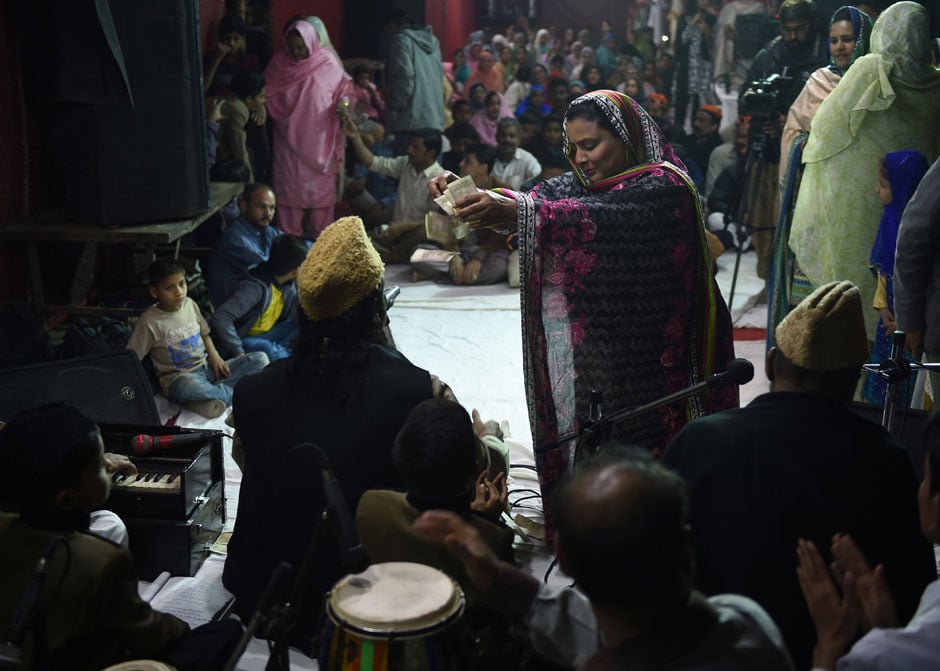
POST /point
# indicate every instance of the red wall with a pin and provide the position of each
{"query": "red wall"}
(452, 22)
(329, 11)
(210, 11)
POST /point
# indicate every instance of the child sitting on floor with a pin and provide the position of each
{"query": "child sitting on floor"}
(176, 337)
(260, 315)
(87, 613)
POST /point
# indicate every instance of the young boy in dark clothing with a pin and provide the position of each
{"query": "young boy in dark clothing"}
(260, 315)
(87, 614)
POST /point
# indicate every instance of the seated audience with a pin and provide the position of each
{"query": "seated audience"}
(514, 165)
(175, 335)
(725, 192)
(549, 141)
(558, 96)
(234, 153)
(461, 111)
(345, 390)
(812, 465)
(519, 87)
(622, 535)
(261, 313)
(484, 254)
(485, 121)
(865, 602)
(412, 201)
(245, 243)
(657, 104)
(553, 166)
(461, 136)
(88, 614)
(534, 101)
(229, 56)
(366, 101)
(486, 73)
(532, 123)
(705, 137)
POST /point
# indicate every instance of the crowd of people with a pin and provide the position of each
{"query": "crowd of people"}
(701, 535)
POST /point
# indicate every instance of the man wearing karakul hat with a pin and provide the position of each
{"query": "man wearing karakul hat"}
(345, 390)
(798, 463)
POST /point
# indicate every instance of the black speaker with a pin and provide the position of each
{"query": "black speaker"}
(129, 126)
(108, 388)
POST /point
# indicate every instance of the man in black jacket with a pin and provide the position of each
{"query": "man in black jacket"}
(797, 463)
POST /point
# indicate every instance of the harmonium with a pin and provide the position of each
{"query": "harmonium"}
(174, 508)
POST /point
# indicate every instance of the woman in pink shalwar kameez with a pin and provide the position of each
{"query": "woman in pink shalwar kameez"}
(305, 83)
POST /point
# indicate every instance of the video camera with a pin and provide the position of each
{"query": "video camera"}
(762, 97)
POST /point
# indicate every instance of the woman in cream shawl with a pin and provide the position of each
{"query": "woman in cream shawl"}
(888, 101)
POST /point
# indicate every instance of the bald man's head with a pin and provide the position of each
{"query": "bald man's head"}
(622, 534)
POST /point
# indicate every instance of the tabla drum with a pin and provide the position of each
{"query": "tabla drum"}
(141, 665)
(396, 616)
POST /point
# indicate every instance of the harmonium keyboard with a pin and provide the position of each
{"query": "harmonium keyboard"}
(174, 508)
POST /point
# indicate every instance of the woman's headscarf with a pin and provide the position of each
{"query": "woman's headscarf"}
(861, 26)
(484, 125)
(901, 38)
(541, 48)
(900, 54)
(905, 170)
(474, 105)
(306, 92)
(323, 36)
(527, 105)
(642, 139)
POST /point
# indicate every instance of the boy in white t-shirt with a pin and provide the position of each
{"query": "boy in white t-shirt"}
(176, 337)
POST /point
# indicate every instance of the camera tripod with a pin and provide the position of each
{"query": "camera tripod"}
(753, 170)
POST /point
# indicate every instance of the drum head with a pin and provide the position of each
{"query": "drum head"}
(396, 600)
(141, 665)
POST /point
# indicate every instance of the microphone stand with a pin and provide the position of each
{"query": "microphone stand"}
(894, 370)
(266, 607)
(282, 616)
(595, 430)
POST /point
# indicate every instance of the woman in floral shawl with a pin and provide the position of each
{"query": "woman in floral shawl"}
(617, 286)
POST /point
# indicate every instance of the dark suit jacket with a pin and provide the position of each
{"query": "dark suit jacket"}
(791, 466)
(92, 613)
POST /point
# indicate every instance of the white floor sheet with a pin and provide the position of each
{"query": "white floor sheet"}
(471, 338)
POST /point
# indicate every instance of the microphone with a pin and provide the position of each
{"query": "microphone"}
(740, 371)
(353, 556)
(11, 651)
(142, 444)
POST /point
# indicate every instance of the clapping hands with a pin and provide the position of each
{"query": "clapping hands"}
(843, 597)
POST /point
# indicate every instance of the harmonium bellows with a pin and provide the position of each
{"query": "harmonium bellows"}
(174, 508)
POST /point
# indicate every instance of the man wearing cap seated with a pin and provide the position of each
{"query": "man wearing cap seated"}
(342, 388)
(705, 137)
(797, 463)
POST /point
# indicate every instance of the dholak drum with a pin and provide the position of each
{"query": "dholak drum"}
(396, 616)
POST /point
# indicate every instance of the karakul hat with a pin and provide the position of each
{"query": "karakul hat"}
(341, 269)
(826, 331)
